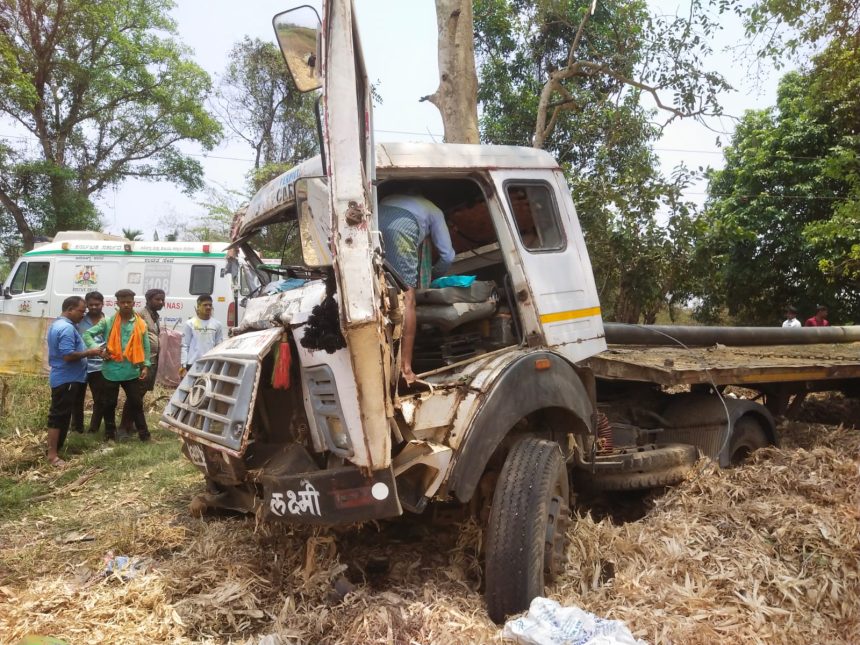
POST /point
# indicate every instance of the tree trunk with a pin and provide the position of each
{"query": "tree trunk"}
(457, 94)
(24, 229)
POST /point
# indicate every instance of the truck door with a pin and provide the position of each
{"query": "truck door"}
(550, 243)
(27, 292)
(347, 146)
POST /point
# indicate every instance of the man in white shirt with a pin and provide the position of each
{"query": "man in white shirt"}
(791, 318)
(200, 334)
(405, 222)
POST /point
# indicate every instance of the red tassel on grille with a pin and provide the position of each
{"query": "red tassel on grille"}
(281, 378)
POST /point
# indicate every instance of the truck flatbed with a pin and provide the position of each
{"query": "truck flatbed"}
(724, 365)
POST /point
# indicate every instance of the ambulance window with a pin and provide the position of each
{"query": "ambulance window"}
(17, 285)
(30, 276)
(202, 279)
(536, 216)
(37, 276)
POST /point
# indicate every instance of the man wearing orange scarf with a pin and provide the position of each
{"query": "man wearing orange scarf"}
(126, 365)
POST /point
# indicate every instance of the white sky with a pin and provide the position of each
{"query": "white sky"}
(399, 40)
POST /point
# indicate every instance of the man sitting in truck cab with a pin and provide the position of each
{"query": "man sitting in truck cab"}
(406, 221)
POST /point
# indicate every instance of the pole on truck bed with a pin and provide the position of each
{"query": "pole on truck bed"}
(623, 334)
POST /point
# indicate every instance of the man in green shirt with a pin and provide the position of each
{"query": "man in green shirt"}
(126, 362)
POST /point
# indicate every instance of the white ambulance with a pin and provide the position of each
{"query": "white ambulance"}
(78, 262)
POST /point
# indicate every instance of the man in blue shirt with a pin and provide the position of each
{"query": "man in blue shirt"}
(405, 222)
(67, 357)
(95, 303)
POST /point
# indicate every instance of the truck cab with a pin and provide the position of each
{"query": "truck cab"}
(301, 416)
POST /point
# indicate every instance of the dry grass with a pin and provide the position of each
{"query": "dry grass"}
(767, 553)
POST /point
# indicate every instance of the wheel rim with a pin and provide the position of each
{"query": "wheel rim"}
(558, 519)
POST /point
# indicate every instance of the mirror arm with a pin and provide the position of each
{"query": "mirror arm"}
(318, 115)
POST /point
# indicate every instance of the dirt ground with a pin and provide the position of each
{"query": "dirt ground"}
(765, 553)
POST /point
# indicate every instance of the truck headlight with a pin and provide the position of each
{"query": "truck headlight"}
(338, 434)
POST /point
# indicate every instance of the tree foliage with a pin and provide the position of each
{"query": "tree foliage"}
(104, 92)
(638, 227)
(133, 234)
(787, 29)
(784, 214)
(262, 107)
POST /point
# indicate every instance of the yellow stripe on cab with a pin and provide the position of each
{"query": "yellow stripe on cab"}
(573, 314)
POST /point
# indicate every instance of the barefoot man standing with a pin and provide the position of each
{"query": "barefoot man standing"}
(67, 357)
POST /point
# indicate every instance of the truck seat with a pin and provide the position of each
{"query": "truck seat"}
(450, 307)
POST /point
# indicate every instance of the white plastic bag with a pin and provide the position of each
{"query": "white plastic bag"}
(548, 623)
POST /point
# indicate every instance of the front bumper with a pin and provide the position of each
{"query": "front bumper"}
(288, 487)
(327, 497)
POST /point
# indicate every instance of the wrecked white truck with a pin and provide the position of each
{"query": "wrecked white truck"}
(301, 416)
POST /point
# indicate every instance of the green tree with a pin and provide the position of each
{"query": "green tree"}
(132, 234)
(587, 74)
(105, 92)
(261, 106)
(784, 29)
(783, 217)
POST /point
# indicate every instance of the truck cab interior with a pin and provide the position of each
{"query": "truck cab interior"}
(457, 323)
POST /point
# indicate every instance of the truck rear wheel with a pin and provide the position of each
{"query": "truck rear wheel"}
(528, 520)
(747, 437)
(635, 481)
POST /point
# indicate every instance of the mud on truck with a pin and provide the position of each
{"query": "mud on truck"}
(301, 416)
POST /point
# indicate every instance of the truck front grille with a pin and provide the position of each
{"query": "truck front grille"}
(213, 400)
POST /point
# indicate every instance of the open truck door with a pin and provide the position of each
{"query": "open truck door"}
(331, 58)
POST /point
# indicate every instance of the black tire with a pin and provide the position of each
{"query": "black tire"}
(747, 437)
(634, 481)
(647, 458)
(526, 531)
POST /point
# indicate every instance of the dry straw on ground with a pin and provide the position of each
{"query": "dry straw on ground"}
(767, 553)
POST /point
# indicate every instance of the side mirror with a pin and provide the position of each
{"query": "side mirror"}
(6, 293)
(297, 31)
(312, 205)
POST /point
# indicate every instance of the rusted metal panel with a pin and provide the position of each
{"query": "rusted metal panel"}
(728, 365)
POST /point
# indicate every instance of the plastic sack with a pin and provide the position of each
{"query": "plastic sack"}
(548, 623)
(169, 353)
(23, 344)
(453, 281)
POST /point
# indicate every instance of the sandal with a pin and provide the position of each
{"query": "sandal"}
(56, 461)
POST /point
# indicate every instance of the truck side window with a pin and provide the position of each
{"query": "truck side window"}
(202, 279)
(536, 216)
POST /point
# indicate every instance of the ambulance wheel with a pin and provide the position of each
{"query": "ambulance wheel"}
(526, 531)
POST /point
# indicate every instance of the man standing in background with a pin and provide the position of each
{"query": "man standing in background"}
(150, 315)
(200, 334)
(820, 318)
(67, 357)
(126, 362)
(95, 302)
(791, 317)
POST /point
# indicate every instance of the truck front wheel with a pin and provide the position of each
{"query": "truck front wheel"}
(528, 520)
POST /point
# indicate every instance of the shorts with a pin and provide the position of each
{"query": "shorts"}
(400, 235)
(63, 399)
